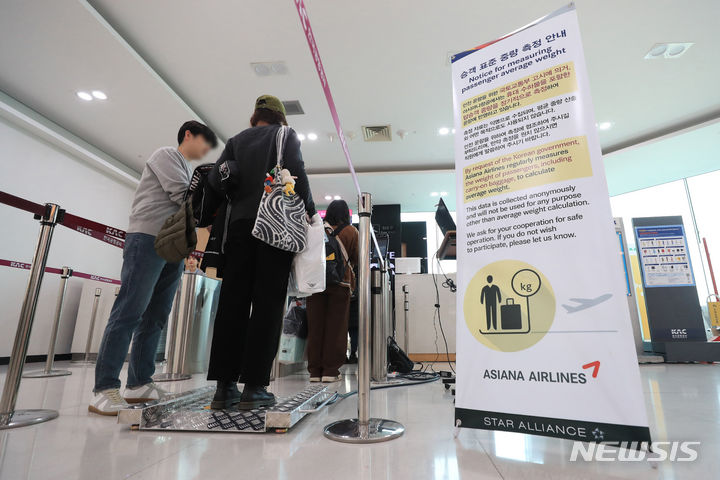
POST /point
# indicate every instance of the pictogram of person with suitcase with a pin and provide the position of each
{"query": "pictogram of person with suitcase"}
(525, 283)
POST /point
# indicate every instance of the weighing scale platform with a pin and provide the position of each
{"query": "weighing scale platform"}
(190, 411)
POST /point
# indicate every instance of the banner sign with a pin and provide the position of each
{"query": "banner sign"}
(544, 340)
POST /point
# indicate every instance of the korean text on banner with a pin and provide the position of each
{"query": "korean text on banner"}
(544, 340)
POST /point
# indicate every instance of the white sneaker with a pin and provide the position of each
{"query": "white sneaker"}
(145, 393)
(108, 402)
(331, 379)
(315, 379)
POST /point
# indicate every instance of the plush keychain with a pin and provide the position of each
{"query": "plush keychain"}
(268, 183)
(288, 182)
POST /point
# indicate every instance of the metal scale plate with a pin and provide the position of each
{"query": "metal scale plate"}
(190, 411)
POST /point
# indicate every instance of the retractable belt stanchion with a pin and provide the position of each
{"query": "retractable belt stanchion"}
(176, 329)
(9, 417)
(91, 330)
(364, 429)
(48, 371)
(379, 333)
(406, 307)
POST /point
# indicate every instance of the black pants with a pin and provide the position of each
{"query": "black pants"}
(251, 306)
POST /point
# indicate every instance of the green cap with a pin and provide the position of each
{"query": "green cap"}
(271, 103)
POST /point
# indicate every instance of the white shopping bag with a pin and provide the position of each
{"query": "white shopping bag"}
(308, 267)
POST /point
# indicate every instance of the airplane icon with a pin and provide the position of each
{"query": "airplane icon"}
(586, 303)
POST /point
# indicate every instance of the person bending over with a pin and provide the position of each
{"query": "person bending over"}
(254, 274)
(149, 283)
(328, 311)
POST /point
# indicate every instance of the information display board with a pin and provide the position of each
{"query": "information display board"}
(664, 256)
(671, 297)
(544, 339)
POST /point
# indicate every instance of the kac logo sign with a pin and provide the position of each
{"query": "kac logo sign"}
(678, 333)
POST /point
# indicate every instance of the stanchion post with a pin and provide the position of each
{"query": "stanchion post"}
(93, 319)
(49, 371)
(406, 308)
(9, 417)
(379, 334)
(91, 329)
(364, 429)
(387, 314)
(171, 375)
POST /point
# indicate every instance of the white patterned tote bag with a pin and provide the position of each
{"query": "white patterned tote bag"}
(281, 216)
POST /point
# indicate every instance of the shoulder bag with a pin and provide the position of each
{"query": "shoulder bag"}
(280, 218)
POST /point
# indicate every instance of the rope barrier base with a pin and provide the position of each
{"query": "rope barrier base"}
(375, 431)
(43, 373)
(24, 418)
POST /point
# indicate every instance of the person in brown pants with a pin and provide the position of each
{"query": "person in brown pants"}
(328, 311)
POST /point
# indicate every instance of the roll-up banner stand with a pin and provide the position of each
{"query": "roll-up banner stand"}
(544, 339)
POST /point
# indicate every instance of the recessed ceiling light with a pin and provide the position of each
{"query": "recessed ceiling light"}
(328, 197)
(261, 69)
(443, 194)
(337, 197)
(301, 136)
(444, 131)
(604, 125)
(84, 96)
(312, 136)
(676, 49)
(434, 194)
(279, 68)
(658, 50)
(453, 130)
(668, 50)
(264, 69)
(99, 94)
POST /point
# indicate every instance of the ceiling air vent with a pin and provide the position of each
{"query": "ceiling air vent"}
(381, 133)
(293, 107)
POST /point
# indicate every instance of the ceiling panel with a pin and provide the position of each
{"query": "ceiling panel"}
(386, 63)
(51, 49)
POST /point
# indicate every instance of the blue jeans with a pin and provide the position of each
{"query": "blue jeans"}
(140, 312)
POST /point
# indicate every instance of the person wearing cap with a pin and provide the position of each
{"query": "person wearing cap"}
(250, 311)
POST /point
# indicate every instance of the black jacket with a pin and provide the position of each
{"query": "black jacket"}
(251, 155)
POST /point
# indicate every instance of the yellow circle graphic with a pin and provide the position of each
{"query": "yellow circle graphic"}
(509, 305)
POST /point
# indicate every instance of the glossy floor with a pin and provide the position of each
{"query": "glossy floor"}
(683, 403)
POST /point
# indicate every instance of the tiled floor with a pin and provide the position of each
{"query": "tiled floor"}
(683, 402)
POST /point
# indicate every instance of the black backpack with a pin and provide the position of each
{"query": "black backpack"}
(336, 258)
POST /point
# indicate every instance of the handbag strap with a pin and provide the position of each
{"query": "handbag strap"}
(280, 140)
